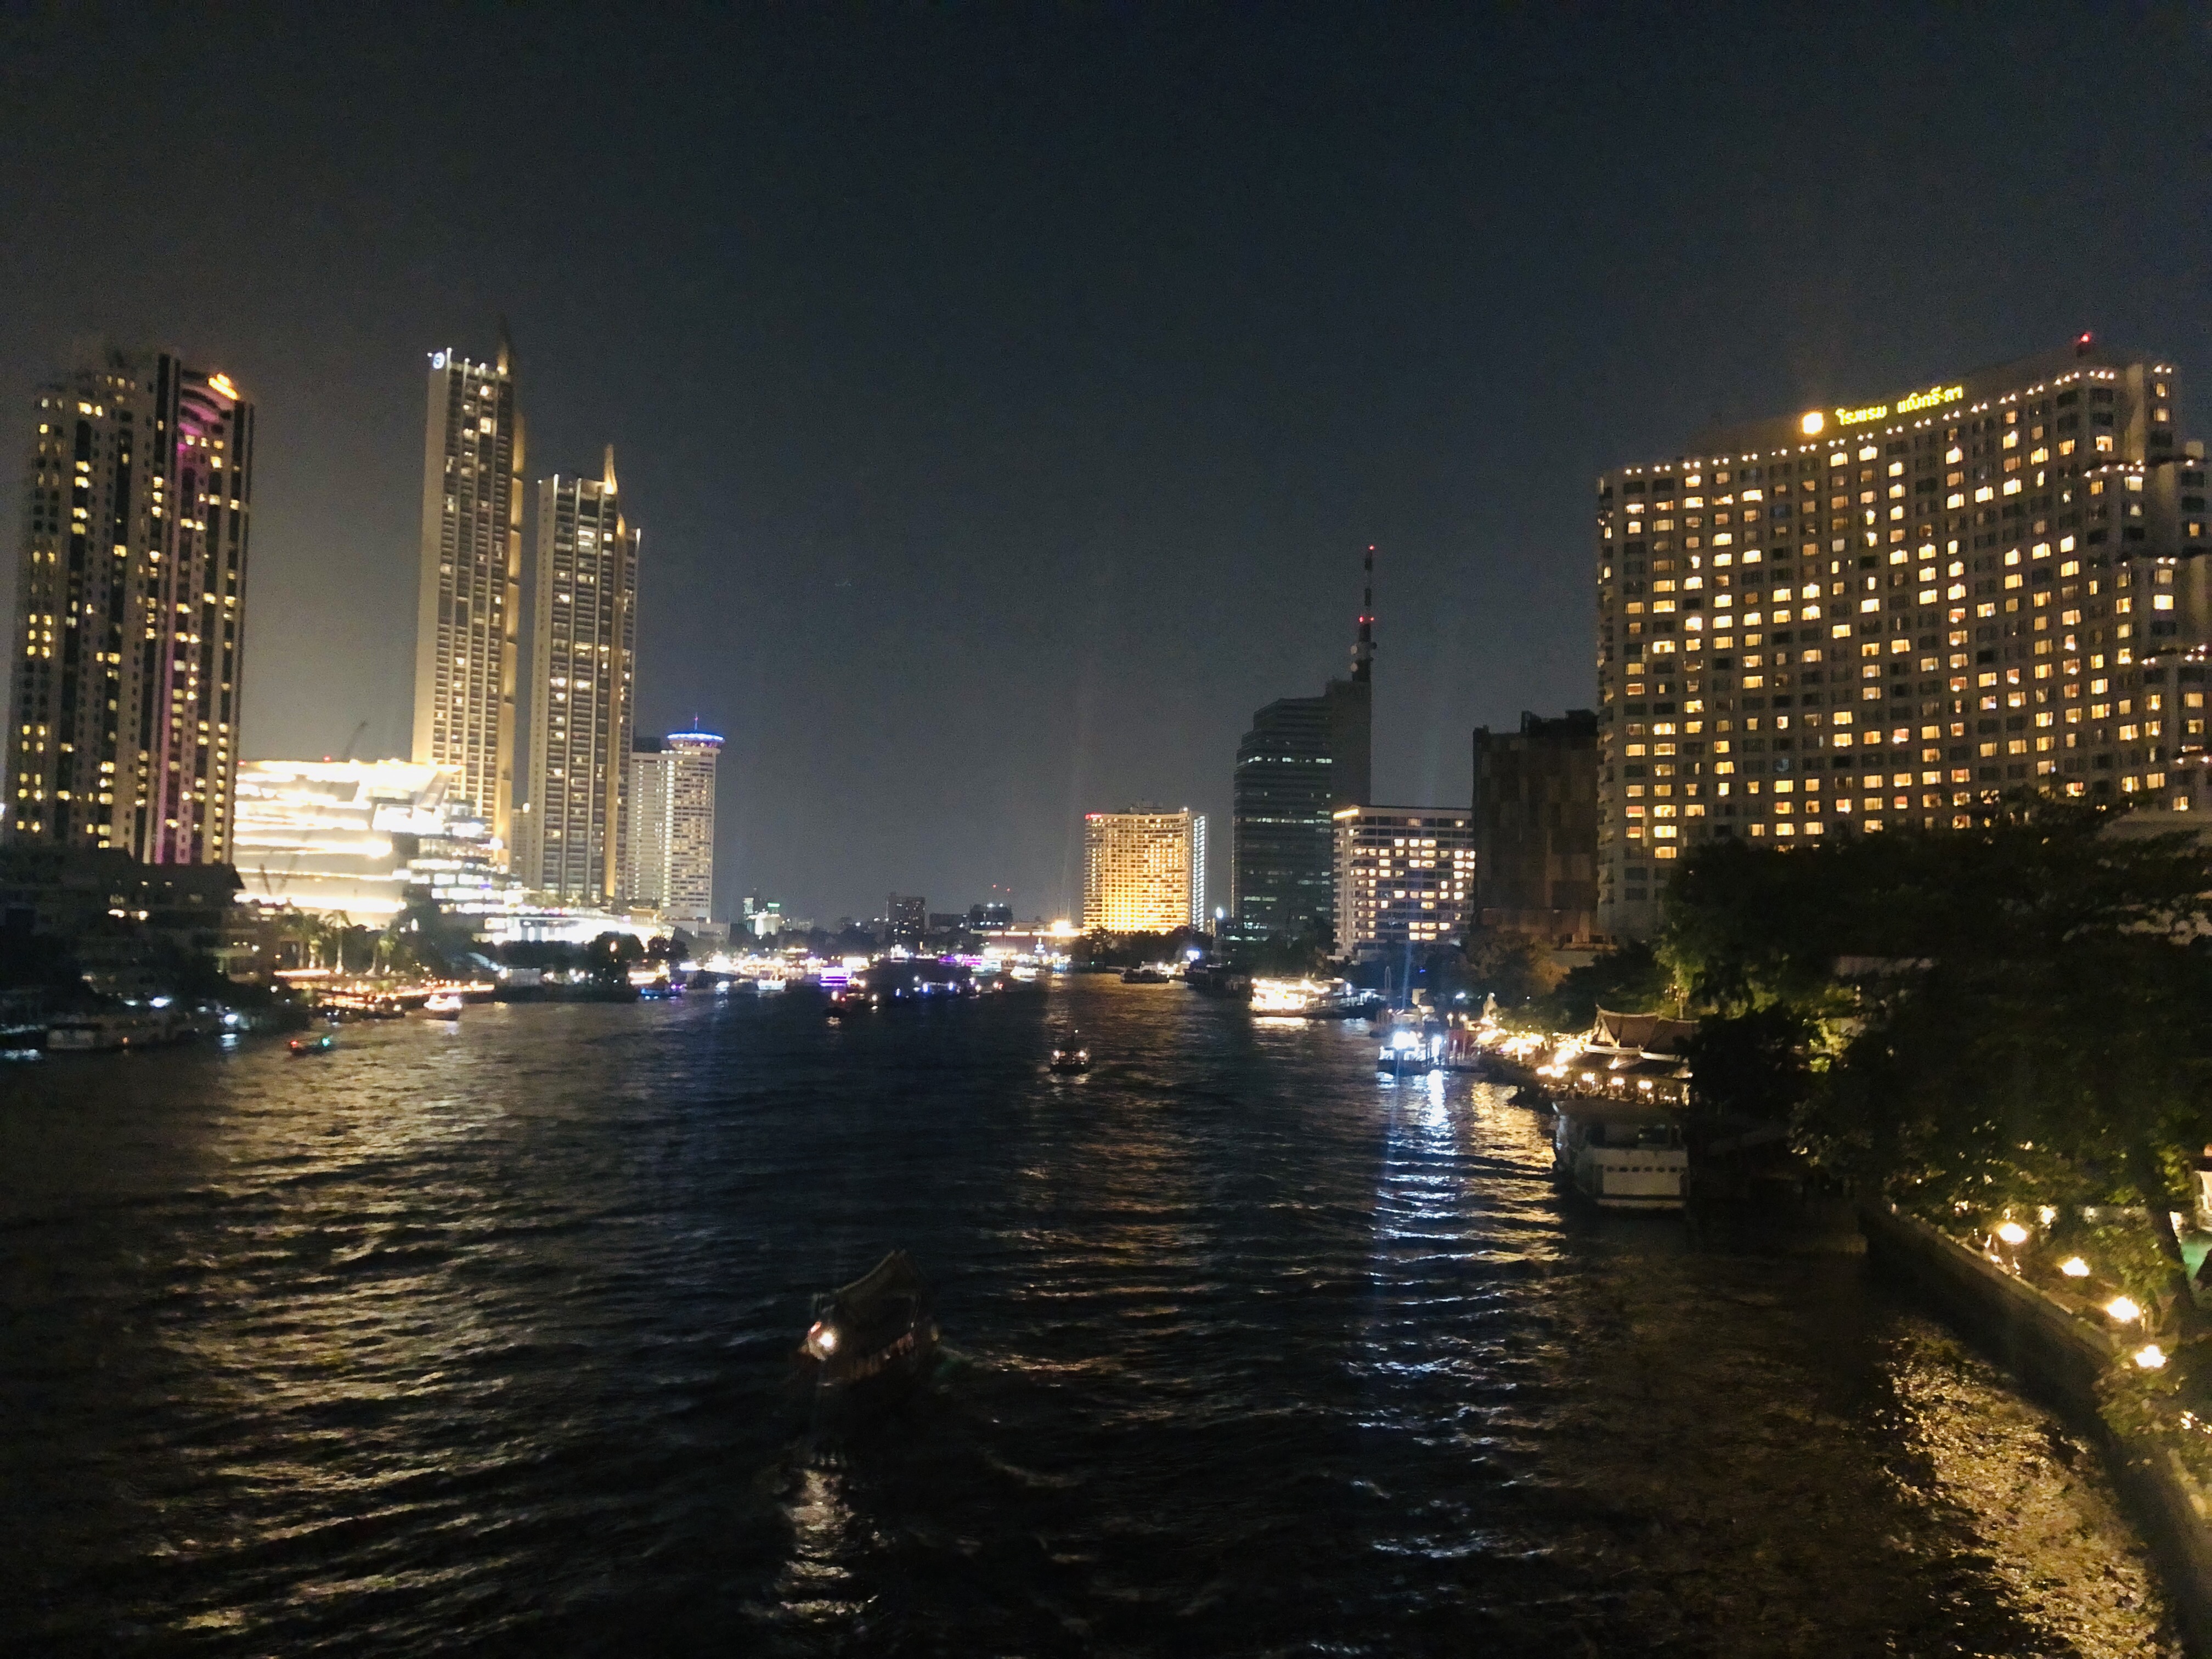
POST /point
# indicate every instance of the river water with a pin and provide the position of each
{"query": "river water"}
(474, 1341)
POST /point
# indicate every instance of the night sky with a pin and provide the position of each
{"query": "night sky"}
(1007, 396)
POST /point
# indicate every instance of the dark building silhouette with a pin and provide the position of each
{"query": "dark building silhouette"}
(1536, 827)
(1303, 758)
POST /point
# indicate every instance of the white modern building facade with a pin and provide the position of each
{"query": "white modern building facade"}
(1405, 877)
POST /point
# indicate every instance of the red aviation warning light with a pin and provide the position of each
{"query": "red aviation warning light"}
(2083, 341)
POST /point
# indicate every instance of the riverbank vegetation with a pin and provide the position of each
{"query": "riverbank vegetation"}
(2006, 1029)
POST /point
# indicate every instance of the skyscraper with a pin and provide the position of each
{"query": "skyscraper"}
(583, 642)
(1143, 872)
(470, 600)
(1536, 827)
(130, 610)
(669, 845)
(1891, 612)
(1303, 758)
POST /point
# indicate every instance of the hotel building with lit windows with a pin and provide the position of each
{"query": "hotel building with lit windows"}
(1404, 877)
(1144, 872)
(668, 836)
(1891, 611)
(469, 596)
(130, 610)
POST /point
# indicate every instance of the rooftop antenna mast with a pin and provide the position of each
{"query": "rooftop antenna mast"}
(1362, 650)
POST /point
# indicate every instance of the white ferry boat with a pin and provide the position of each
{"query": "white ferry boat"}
(109, 1029)
(1622, 1155)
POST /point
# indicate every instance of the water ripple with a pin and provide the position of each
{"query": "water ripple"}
(474, 1341)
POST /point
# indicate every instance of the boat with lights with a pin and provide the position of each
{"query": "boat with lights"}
(879, 1330)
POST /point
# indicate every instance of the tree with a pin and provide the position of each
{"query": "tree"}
(2028, 1021)
(1752, 1065)
(1628, 979)
(1513, 967)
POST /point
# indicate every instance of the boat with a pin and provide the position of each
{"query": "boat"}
(302, 1047)
(1618, 1154)
(1313, 999)
(1410, 1051)
(1143, 976)
(881, 1329)
(108, 1030)
(1069, 1056)
(447, 1005)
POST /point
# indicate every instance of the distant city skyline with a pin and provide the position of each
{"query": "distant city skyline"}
(1005, 416)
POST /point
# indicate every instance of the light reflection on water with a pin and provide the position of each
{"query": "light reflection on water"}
(475, 1339)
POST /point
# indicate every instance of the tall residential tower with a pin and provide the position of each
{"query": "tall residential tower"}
(469, 604)
(669, 841)
(1893, 611)
(130, 610)
(583, 643)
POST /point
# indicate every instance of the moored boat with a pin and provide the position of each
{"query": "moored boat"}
(1621, 1155)
(109, 1029)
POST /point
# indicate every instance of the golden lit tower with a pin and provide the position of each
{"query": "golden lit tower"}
(130, 610)
(1144, 872)
(470, 599)
(583, 643)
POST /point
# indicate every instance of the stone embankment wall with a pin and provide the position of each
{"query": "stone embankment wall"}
(2044, 1342)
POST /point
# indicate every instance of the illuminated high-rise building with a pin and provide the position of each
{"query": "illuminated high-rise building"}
(1895, 610)
(130, 610)
(1303, 758)
(668, 843)
(1404, 877)
(1143, 872)
(469, 602)
(583, 643)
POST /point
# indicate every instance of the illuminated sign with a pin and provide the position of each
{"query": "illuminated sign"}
(1930, 399)
(437, 359)
(1933, 397)
(222, 384)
